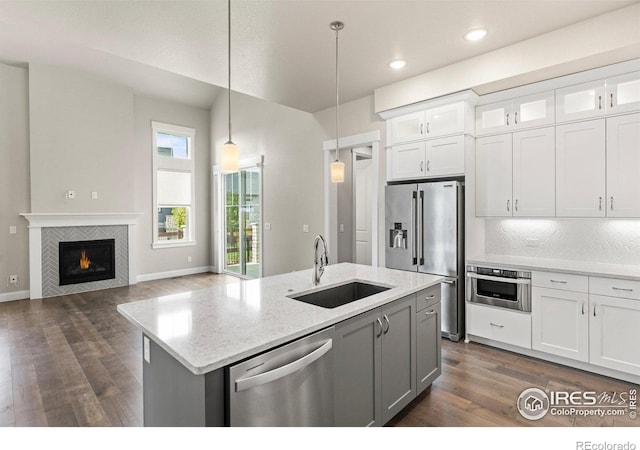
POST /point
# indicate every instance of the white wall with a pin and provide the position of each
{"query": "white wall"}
(81, 139)
(153, 261)
(291, 143)
(14, 178)
(615, 241)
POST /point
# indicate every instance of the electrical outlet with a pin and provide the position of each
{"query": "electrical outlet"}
(13, 229)
(146, 349)
(188, 258)
(341, 228)
(94, 195)
(305, 228)
(13, 279)
(267, 226)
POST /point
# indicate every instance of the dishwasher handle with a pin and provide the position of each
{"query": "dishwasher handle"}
(272, 375)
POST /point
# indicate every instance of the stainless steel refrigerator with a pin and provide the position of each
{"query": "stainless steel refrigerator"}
(424, 228)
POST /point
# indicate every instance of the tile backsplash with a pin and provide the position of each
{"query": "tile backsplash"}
(596, 240)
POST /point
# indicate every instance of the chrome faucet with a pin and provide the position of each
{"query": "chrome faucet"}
(319, 261)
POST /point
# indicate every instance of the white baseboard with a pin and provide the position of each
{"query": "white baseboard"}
(11, 296)
(173, 273)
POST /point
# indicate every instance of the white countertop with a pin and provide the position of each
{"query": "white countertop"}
(211, 328)
(631, 272)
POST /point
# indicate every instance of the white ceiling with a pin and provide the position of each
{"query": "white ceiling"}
(282, 50)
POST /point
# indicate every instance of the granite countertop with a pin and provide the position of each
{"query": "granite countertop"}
(587, 268)
(211, 328)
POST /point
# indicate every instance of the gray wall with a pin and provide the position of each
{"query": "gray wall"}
(291, 142)
(345, 209)
(167, 259)
(358, 117)
(81, 132)
(14, 176)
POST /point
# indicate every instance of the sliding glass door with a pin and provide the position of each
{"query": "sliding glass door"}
(242, 227)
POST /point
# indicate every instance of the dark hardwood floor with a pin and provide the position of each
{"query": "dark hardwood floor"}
(74, 360)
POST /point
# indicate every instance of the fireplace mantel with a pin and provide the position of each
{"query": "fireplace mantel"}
(38, 221)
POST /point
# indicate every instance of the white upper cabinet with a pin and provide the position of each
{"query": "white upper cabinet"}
(582, 101)
(534, 172)
(445, 156)
(409, 127)
(406, 161)
(580, 169)
(623, 166)
(444, 120)
(494, 176)
(623, 93)
(512, 115)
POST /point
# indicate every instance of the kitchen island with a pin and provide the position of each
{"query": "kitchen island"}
(190, 339)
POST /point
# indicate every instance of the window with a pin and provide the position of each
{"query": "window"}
(173, 185)
(242, 214)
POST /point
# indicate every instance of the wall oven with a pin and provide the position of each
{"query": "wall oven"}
(499, 287)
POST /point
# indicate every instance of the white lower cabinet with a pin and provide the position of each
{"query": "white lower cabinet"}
(498, 324)
(560, 323)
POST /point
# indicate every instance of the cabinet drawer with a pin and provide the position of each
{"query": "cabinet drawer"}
(428, 297)
(562, 281)
(499, 325)
(614, 287)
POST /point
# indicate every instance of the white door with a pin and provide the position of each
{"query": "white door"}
(614, 338)
(623, 93)
(560, 323)
(580, 169)
(493, 118)
(493, 176)
(581, 101)
(445, 156)
(409, 127)
(534, 173)
(443, 120)
(623, 166)
(362, 190)
(407, 161)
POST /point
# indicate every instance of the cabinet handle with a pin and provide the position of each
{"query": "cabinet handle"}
(428, 163)
(612, 99)
(507, 119)
(612, 203)
(428, 128)
(421, 166)
(622, 289)
(558, 281)
(430, 313)
(599, 101)
(429, 297)
(386, 319)
(508, 205)
(380, 325)
(516, 205)
(516, 117)
(599, 203)
(582, 308)
(421, 128)
(496, 325)
(594, 310)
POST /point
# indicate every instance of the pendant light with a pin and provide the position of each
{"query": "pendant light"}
(337, 166)
(230, 152)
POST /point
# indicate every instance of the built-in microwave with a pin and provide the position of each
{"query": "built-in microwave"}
(503, 288)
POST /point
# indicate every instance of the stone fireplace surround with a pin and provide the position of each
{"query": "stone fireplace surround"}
(45, 226)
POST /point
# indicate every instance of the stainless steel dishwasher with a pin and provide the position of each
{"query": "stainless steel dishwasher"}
(289, 386)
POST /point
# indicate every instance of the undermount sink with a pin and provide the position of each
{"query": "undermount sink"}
(340, 295)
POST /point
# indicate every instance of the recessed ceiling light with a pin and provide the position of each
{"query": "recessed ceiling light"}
(397, 64)
(475, 35)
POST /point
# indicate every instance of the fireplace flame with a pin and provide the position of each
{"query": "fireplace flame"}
(84, 261)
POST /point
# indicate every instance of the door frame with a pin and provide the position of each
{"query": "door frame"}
(368, 153)
(370, 139)
(217, 212)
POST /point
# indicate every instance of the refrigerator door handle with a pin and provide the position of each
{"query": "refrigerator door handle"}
(421, 228)
(414, 204)
(449, 281)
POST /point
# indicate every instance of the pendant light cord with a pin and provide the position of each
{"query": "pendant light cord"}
(337, 100)
(229, 60)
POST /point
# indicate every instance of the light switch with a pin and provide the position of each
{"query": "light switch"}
(341, 228)
(267, 226)
(305, 228)
(71, 194)
(94, 195)
(12, 229)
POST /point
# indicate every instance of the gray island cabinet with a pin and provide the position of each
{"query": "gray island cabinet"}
(384, 349)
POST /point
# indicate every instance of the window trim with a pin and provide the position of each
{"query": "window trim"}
(161, 162)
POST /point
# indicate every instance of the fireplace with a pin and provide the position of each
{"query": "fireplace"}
(85, 261)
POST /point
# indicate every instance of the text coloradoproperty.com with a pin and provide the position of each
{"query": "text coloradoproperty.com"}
(588, 445)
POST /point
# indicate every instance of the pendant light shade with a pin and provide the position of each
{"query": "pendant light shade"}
(337, 166)
(229, 152)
